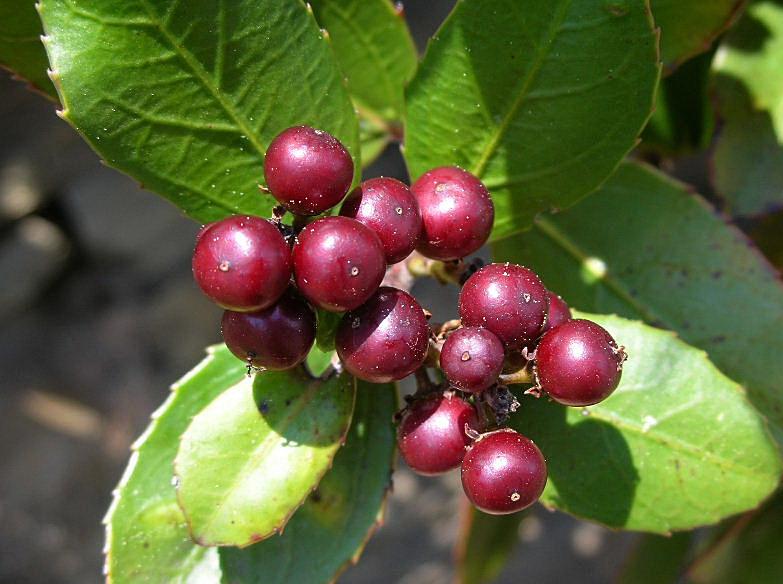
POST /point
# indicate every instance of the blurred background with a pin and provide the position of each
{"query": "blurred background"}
(100, 315)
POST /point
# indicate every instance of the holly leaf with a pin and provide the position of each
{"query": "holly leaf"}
(252, 456)
(644, 247)
(21, 50)
(185, 96)
(147, 537)
(541, 100)
(329, 531)
(689, 27)
(747, 159)
(375, 50)
(485, 544)
(676, 446)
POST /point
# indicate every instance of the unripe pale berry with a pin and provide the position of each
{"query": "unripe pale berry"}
(578, 363)
(431, 435)
(278, 337)
(472, 358)
(242, 263)
(307, 170)
(388, 207)
(456, 210)
(507, 299)
(338, 263)
(503, 472)
(385, 339)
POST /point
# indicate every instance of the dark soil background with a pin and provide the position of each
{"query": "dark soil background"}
(100, 314)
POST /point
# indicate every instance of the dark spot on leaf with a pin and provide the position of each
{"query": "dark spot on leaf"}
(718, 338)
(717, 274)
(263, 406)
(315, 496)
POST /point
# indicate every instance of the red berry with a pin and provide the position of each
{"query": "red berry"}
(472, 358)
(308, 171)
(431, 435)
(578, 363)
(503, 472)
(388, 207)
(559, 312)
(456, 211)
(338, 263)
(242, 263)
(507, 299)
(278, 337)
(385, 339)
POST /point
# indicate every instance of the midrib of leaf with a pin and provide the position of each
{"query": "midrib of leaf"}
(371, 48)
(552, 232)
(524, 89)
(204, 77)
(265, 447)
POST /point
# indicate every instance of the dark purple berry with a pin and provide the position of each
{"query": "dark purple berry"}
(503, 472)
(507, 299)
(431, 435)
(338, 263)
(578, 363)
(559, 312)
(388, 207)
(456, 211)
(308, 171)
(472, 358)
(242, 263)
(278, 337)
(385, 339)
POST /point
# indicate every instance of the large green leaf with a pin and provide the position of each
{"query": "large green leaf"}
(147, 538)
(688, 27)
(748, 155)
(329, 531)
(485, 544)
(644, 247)
(746, 551)
(656, 559)
(21, 50)
(185, 96)
(541, 100)
(252, 456)
(676, 446)
(375, 50)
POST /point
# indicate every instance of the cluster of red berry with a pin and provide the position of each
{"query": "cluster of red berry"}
(268, 275)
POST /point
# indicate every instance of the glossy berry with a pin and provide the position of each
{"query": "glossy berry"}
(559, 312)
(278, 337)
(242, 263)
(578, 363)
(431, 435)
(456, 211)
(503, 472)
(507, 299)
(308, 171)
(338, 263)
(472, 358)
(385, 339)
(388, 207)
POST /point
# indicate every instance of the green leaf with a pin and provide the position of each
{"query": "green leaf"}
(748, 550)
(332, 527)
(688, 27)
(185, 96)
(684, 117)
(21, 50)
(373, 142)
(375, 51)
(485, 544)
(541, 100)
(147, 538)
(318, 361)
(252, 456)
(656, 559)
(644, 247)
(676, 446)
(748, 155)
